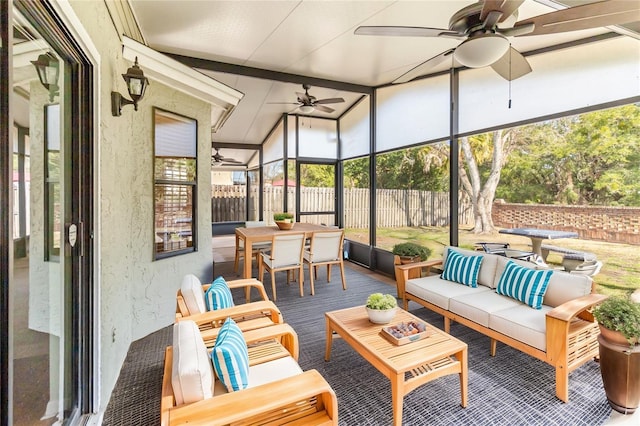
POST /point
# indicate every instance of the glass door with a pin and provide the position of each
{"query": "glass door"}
(317, 193)
(46, 374)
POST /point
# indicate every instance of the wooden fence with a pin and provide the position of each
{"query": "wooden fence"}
(396, 207)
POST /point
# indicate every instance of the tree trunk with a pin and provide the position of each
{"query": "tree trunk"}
(482, 195)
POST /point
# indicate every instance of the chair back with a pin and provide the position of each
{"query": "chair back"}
(588, 268)
(192, 294)
(326, 245)
(287, 249)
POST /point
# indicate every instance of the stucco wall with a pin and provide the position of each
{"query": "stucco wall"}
(137, 294)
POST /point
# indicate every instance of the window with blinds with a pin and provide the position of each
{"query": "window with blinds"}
(175, 177)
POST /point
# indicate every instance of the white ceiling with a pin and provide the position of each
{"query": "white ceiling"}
(312, 39)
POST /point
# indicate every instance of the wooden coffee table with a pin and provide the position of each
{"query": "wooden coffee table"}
(406, 366)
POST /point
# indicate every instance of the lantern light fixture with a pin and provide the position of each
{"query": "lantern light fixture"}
(136, 86)
(48, 69)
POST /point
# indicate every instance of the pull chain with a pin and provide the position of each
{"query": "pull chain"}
(509, 75)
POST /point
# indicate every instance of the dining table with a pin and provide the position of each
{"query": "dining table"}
(259, 234)
(538, 235)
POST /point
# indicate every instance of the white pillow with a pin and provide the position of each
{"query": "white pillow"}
(192, 374)
(192, 294)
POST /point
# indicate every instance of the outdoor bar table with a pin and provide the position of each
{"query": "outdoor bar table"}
(260, 234)
(537, 235)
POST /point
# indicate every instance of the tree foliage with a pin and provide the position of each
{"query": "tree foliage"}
(591, 159)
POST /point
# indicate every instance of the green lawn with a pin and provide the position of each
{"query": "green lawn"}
(620, 273)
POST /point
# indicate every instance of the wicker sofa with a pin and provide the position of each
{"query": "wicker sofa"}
(563, 333)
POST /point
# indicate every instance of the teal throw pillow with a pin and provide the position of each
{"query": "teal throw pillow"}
(524, 284)
(462, 269)
(230, 357)
(218, 295)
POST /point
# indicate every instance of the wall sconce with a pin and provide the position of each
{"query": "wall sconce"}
(136, 85)
(48, 69)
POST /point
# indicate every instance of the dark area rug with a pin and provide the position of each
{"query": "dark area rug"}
(509, 389)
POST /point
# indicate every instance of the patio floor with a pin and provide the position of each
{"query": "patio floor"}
(135, 399)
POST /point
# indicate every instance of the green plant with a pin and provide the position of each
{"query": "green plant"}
(620, 314)
(411, 250)
(381, 301)
(282, 216)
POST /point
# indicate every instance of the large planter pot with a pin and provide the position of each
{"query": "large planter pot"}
(381, 316)
(620, 369)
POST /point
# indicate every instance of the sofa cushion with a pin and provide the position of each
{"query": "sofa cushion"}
(478, 306)
(487, 272)
(462, 269)
(437, 291)
(524, 284)
(192, 294)
(564, 287)
(218, 295)
(230, 357)
(191, 372)
(523, 324)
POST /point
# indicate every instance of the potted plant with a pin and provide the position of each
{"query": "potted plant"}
(284, 220)
(381, 308)
(619, 321)
(411, 252)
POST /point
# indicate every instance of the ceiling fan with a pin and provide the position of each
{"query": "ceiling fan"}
(308, 103)
(484, 27)
(219, 160)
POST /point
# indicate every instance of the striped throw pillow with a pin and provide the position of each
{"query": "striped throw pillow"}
(218, 295)
(462, 269)
(231, 358)
(524, 284)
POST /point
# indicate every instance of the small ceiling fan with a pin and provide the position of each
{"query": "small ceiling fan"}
(219, 160)
(308, 103)
(484, 27)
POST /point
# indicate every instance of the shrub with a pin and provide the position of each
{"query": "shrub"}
(620, 314)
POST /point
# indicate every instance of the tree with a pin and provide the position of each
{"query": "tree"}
(486, 151)
(590, 159)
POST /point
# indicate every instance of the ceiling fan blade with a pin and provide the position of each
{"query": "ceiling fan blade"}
(231, 161)
(586, 16)
(329, 101)
(398, 31)
(282, 103)
(520, 30)
(507, 7)
(512, 65)
(492, 19)
(423, 67)
(323, 108)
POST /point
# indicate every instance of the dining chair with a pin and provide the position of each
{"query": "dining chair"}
(285, 255)
(257, 247)
(325, 249)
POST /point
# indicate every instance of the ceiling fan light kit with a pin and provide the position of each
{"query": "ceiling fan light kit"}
(306, 109)
(484, 26)
(481, 50)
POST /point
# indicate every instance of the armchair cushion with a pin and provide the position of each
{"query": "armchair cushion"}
(191, 373)
(524, 284)
(462, 269)
(192, 294)
(218, 295)
(230, 357)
